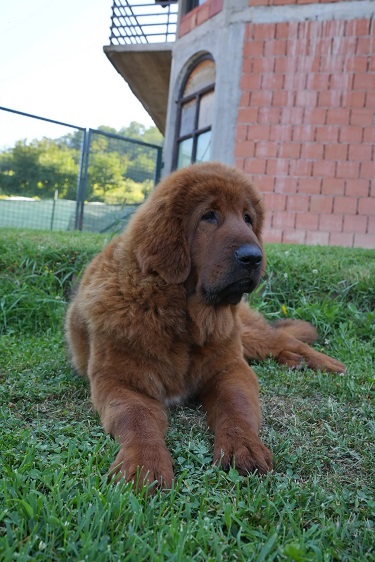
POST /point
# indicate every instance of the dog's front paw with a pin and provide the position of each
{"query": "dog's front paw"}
(150, 465)
(243, 451)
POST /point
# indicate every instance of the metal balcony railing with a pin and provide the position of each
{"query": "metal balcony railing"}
(142, 21)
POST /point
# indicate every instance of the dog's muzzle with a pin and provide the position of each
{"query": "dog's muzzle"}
(243, 277)
(249, 256)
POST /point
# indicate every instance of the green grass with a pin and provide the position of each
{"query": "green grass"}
(318, 504)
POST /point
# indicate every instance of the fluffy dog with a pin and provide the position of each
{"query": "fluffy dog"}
(158, 318)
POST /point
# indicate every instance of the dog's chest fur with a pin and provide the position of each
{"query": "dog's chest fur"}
(151, 323)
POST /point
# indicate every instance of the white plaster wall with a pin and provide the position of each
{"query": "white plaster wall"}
(221, 36)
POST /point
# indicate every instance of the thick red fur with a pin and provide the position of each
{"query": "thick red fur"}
(158, 318)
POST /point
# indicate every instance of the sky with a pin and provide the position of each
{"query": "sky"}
(52, 64)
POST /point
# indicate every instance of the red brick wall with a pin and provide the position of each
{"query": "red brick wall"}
(305, 129)
(199, 15)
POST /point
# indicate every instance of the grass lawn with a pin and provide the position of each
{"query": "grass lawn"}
(318, 504)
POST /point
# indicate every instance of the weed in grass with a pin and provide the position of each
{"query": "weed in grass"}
(318, 504)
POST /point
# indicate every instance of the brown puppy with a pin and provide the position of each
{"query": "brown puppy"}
(158, 318)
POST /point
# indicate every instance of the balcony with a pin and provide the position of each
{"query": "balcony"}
(141, 39)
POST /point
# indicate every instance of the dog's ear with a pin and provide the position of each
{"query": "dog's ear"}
(161, 241)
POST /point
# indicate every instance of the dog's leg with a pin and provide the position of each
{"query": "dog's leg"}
(232, 405)
(285, 340)
(138, 422)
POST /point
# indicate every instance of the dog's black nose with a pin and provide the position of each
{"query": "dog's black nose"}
(249, 255)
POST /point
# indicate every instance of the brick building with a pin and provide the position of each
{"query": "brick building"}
(282, 89)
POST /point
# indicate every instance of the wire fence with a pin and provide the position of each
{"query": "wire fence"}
(85, 179)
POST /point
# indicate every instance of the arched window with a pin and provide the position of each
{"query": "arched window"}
(195, 112)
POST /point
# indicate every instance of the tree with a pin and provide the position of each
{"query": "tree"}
(118, 169)
(38, 169)
(19, 169)
(106, 173)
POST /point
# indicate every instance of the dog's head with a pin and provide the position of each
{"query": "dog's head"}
(202, 226)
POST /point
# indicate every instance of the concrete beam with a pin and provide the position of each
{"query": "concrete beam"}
(146, 68)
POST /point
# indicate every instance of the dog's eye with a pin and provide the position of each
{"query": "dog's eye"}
(248, 219)
(211, 216)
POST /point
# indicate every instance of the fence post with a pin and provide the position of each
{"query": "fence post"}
(82, 179)
(159, 164)
(55, 197)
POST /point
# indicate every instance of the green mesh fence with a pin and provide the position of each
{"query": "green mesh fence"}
(83, 178)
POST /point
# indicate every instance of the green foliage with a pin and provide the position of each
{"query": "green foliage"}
(317, 505)
(38, 169)
(119, 171)
(105, 174)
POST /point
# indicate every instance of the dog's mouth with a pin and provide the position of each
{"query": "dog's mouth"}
(232, 293)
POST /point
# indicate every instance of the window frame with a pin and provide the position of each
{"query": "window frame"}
(191, 5)
(180, 103)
